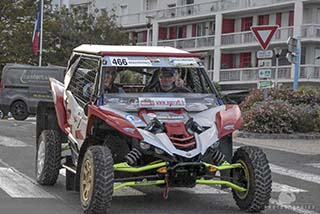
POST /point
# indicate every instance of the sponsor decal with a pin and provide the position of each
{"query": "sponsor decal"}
(229, 127)
(29, 77)
(182, 61)
(125, 61)
(162, 102)
(153, 60)
(133, 118)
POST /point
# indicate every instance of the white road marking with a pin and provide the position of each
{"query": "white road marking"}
(201, 189)
(18, 186)
(127, 191)
(277, 187)
(315, 165)
(297, 209)
(11, 142)
(295, 173)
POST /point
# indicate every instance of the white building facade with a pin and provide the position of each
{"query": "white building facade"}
(220, 30)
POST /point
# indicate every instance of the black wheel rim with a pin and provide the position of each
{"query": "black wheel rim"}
(19, 110)
(241, 177)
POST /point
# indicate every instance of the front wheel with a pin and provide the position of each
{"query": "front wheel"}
(96, 180)
(48, 157)
(255, 176)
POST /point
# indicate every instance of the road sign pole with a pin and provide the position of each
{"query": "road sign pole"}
(297, 65)
(276, 74)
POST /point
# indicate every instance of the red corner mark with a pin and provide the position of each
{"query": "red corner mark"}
(264, 34)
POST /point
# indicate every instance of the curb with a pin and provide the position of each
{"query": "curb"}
(297, 136)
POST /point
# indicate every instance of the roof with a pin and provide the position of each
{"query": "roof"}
(115, 50)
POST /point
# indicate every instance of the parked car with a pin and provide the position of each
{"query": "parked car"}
(141, 135)
(23, 86)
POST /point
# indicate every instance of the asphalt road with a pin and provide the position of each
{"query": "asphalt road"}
(296, 184)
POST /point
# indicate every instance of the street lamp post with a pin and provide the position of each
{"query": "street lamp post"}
(277, 52)
(149, 25)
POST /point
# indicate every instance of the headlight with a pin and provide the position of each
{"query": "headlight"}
(144, 145)
(158, 151)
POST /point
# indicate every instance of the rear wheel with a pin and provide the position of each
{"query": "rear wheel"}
(48, 158)
(19, 110)
(96, 180)
(255, 176)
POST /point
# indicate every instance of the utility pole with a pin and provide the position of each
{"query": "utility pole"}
(294, 57)
(277, 52)
(149, 25)
(41, 31)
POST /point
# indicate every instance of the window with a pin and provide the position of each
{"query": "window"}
(245, 60)
(291, 18)
(263, 20)
(142, 36)
(227, 25)
(180, 32)
(317, 54)
(201, 29)
(151, 4)
(172, 10)
(212, 27)
(227, 61)
(83, 76)
(278, 19)
(246, 23)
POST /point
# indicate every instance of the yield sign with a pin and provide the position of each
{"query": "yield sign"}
(264, 34)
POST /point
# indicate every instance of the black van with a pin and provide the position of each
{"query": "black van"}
(23, 86)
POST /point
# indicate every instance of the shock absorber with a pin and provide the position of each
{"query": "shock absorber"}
(216, 156)
(133, 157)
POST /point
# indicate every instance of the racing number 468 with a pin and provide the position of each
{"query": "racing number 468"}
(119, 61)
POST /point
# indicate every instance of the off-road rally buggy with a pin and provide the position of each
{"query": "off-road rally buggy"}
(141, 137)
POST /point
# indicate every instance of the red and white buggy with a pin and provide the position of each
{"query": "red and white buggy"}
(141, 138)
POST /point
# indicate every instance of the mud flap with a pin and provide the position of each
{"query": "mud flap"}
(225, 146)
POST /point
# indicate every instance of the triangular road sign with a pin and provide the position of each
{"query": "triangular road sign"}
(264, 34)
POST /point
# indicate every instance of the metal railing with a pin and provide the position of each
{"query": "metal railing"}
(189, 43)
(310, 31)
(141, 43)
(205, 8)
(251, 74)
(310, 72)
(245, 37)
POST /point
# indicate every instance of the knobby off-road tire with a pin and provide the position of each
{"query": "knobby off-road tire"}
(96, 180)
(48, 157)
(255, 176)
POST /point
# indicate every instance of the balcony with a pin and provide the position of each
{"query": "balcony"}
(189, 43)
(142, 43)
(201, 9)
(310, 31)
(247, 37)
(247, 75)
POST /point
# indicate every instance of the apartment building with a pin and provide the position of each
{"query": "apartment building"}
(220, 31)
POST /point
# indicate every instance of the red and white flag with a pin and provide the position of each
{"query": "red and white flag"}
(36, 31)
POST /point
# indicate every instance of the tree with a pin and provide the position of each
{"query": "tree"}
(66, 30)
(16, 31)
(63, 30)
